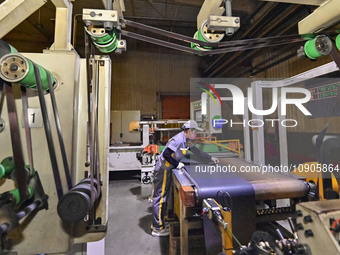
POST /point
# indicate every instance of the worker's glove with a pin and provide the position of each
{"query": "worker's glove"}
(215, 160)
(180, 165)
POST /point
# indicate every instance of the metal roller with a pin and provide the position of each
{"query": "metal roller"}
(319, 46)
(203, 34)
(16, 68)
(76, 203)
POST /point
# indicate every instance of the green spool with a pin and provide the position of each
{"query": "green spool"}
(310, 49)
(8, 166)
(337, 42)
(103, 39)
(16, 68)
(13, 50)
(319, 46)
(30, 81)
(104, 42)
(195, 46)
(109, 47)
(2, 171)
(16, 194)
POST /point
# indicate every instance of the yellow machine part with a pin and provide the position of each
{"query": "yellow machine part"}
(227, 239)
(308, 170)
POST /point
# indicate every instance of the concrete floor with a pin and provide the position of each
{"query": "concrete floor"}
(130, 218)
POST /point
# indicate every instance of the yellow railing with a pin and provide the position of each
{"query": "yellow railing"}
(219, 143)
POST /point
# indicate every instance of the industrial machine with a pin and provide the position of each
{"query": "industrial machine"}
(142, 157)
(53, 159)
(54, 165)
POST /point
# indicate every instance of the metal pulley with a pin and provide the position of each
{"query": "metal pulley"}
(16, 68)
(206, 35)
(319, 46)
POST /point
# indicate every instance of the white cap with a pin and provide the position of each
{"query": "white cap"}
(192, 125)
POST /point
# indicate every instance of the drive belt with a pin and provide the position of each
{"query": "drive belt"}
(89, 51)
(20, 174)
(95, 110)
(208, 52)
(265, 41)
(27, 129)
(59, 131)
(48, 132)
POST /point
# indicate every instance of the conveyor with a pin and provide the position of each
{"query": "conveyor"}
(265, 185)
(250, 195)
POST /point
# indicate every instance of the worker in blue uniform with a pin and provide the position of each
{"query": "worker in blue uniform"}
(174, 151)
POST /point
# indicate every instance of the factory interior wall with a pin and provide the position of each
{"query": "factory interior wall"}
(175, 107)
(138, 77)
(299, 139)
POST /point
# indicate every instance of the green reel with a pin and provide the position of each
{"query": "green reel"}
(319, 46)
(6, 167)
(16, 68)
(204, 35)
(16, 194)
(337, 42)
(197, 46)
(105, 42)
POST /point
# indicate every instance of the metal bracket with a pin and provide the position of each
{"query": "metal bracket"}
(221, 23)
(121, 46)
(98, 17)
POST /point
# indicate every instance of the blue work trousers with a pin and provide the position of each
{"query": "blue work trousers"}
(162, 183)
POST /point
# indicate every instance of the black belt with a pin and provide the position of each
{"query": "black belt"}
(48, 132)
(20, 174)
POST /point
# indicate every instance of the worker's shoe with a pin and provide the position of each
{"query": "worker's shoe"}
(166, 225)
(160, 232)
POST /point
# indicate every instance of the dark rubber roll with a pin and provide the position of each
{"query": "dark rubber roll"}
(75, 204)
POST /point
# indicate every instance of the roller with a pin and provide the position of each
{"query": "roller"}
(203, 34)
(105, 42)
(76, 203)
(337, 42)
(19, 69)
(6, 167)
(319, 46)
(16, 194)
